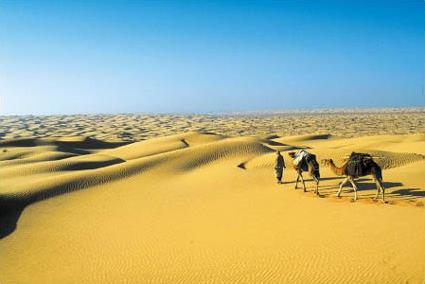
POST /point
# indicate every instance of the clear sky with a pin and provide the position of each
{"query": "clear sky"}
(209, 56)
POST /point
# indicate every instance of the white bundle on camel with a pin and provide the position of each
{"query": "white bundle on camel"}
(304, 161)
(299, 156)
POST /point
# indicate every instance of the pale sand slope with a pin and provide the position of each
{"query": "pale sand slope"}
(178, 209)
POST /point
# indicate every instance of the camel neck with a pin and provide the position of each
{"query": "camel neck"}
(335, 169)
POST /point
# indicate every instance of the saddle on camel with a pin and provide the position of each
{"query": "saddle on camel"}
(358, 163)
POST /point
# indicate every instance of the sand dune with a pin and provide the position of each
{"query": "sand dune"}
(200, 207)
(136, 127)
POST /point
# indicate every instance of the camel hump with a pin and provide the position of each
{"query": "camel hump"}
(355, 156)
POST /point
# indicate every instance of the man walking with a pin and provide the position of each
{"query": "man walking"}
(279, 166)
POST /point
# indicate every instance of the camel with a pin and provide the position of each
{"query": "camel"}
(364, 167)
(308, 164)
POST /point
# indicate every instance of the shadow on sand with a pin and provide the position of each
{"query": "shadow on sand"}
(10, 211)
(367, 188)
(11, 208)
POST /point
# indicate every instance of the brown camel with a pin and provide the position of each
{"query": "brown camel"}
(357, 168)
(308, 164)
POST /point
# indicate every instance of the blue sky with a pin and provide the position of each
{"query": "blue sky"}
(209, 56)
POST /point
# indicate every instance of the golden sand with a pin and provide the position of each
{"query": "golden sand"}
(181, 209)
(136, 127)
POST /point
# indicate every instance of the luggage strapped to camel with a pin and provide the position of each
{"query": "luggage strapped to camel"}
(357, 162)
(299, 156)
(302, 158)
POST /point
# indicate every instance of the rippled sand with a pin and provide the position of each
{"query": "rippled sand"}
(136, 127)
(83, 205)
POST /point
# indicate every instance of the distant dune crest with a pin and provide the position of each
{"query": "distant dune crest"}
(137, 127)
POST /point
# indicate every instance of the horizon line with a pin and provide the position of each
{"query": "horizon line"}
(312, 110)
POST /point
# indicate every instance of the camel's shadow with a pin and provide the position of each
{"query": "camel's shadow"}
(372, 185)
(410, 192)
(367, 188)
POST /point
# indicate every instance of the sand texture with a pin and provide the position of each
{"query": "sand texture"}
(136, 127)
(80, 205)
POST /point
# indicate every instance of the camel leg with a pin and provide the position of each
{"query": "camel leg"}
(317, 185)
(383, 190)
(298, 178)
(354, 187)
(341, 185)
(302, 179)
(378, 189)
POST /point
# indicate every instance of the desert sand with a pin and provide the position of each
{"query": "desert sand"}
(193, 199)
(136, 127)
